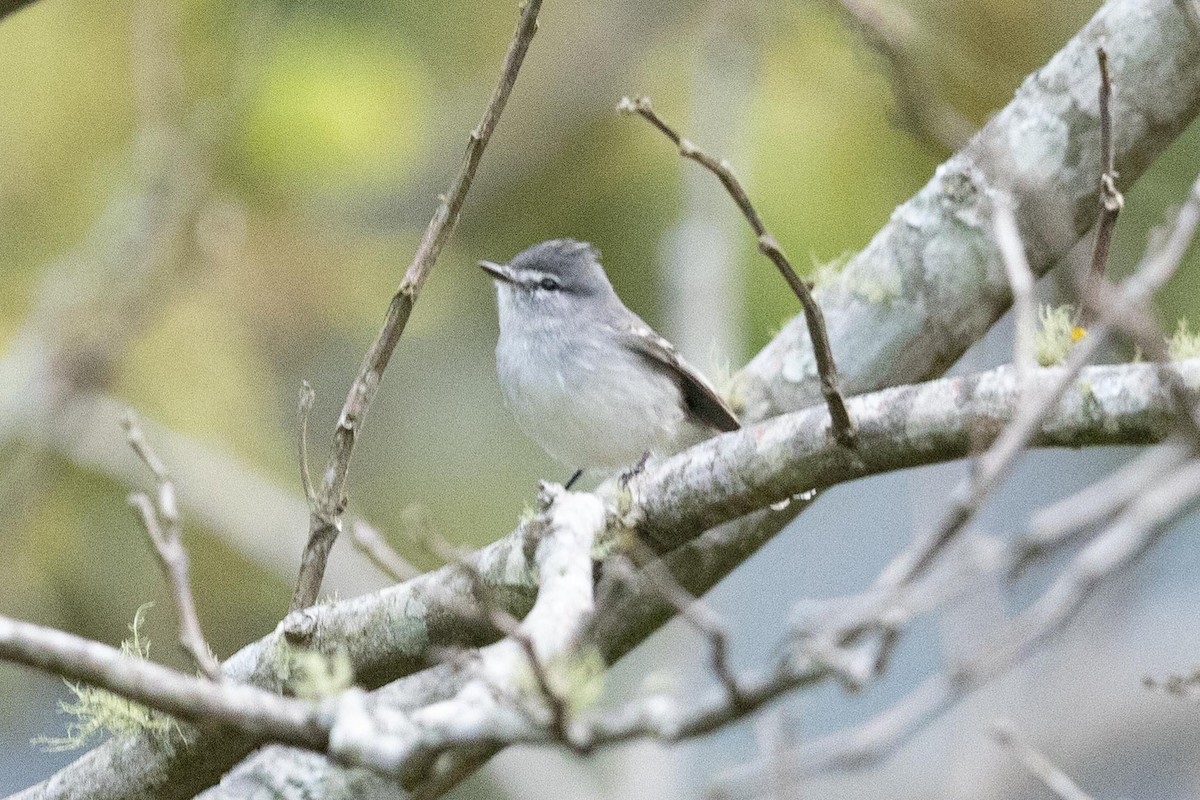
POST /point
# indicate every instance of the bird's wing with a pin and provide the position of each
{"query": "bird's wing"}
(699, 396)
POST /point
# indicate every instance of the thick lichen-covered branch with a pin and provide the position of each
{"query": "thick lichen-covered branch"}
(932, 280)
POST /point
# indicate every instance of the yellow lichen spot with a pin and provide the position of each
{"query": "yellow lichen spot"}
(1077, 333)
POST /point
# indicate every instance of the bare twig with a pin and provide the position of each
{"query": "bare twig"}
(695, 612)
(162, 524)
(326, 520)
(1111, 200)
(919, 109)
(366, 538)
(700, 616)
(1130, 311)
(843, 426)
(383, 555)
(307, 397)
(1020, 278)
(257, 712)
(1048, 774)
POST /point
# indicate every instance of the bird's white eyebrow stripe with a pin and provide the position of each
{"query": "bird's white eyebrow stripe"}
(532, 276)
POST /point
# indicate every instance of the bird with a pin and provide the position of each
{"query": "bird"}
(585, 377)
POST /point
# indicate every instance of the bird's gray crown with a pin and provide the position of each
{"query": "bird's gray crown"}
(573, 264)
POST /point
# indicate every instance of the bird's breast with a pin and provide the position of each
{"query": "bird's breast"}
(585, 399)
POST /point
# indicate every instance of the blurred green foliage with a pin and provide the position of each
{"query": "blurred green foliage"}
(325, 131)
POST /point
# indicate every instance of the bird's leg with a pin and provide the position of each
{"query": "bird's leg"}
(633, 471)
(578, 474)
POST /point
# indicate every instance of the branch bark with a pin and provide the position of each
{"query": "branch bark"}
(936, 265)
(1124, 404)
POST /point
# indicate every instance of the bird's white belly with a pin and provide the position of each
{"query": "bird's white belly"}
(589, 411)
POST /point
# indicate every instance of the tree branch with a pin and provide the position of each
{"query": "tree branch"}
(161, 522)
(843, 425)
(326, 519)
(932, 280)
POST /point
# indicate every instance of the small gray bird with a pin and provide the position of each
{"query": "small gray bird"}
(585, 377)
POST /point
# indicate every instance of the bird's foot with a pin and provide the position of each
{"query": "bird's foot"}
(631, 473)
(578, 474)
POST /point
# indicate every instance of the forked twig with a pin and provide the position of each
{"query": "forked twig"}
(695, 612)
(160, 519)
(325, 521)
(843, 426)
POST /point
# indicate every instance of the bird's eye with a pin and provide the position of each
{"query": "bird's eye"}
(549, 284)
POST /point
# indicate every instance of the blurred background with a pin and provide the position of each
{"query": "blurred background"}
(205, 202)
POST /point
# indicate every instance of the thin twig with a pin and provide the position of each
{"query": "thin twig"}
(1057, 525)
(325, 522)
(307, 397)
(491, 609)
(162, 524)
(1111, 200)
(697, 614)
(843, 426)
(372, 544)
(1048, 774)
(1131, 313)
(1020, 278)
(919, 108)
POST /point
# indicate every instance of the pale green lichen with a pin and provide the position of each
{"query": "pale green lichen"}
(98, 712)
(576, 678)
(310, 674)
(876, 292)
(582, 676)
(1057, 334)
(1185, 343)
(827, 272)
(316, 675)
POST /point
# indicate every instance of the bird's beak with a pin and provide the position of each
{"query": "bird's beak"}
(500, 272)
